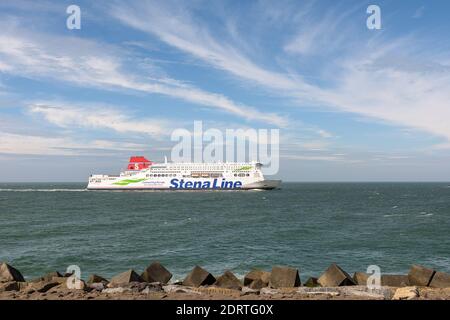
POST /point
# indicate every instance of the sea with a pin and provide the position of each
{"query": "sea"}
(46, 227)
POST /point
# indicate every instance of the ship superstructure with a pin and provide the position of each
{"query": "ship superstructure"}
(143, 174)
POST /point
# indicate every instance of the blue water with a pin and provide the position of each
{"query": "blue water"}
(47, 227)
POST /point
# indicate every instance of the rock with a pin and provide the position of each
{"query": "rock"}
(124, 277)
(394, 280)
(257, 284)
(387, 280)
(334, 276)
(354, 291)
(387, 292)
(147, 290)
(153, 287)
(228, 280)
(51, 275)
(218, 291)
(68, 284)
(41, 286)
(406, 293)
(282, 277)
(73, 283)
(93, 278)
(9, 286)
(48, 277)
(268, 291)
(156, 273)
(253, 275)
(360, 278)
(312, 282)
(318, 291)
(169, 288)
(97, 286)
(134, 286)
(178, 288)
(198, 277)
(248, 290)
(440, 280)
(9, 273)
(420, 276)
(115, 290)
(59, 279)
(22, 285)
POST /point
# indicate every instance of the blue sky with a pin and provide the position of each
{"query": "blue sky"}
(352, 104)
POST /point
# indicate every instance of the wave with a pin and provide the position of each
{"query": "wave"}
(425, 214)
(42, 190)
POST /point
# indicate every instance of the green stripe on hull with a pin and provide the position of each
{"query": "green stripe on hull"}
(127, 182)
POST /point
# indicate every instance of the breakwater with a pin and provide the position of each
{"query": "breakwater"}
(280, 282)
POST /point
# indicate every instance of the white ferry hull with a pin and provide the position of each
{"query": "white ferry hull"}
(142, 174)
(262, 185)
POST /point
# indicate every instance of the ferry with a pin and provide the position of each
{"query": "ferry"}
(143, 174)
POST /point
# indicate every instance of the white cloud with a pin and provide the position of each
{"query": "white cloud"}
(43, 145)
(176, 28)
(312, 158)
(419, 12)
(406, 94)
(4, 67)
(314, 145)
(324, 133)
(97, 117)
(37, 6)
(86, 63)
(320, 36)
(440, 146)
(392, 80)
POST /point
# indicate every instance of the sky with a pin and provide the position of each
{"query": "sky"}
(351, 104)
